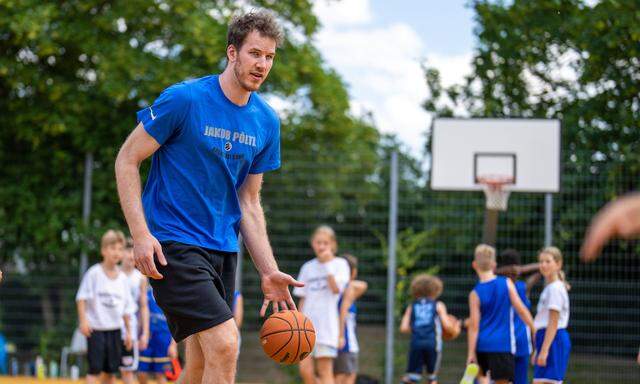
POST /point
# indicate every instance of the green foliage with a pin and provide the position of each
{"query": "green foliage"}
(556, 59)
(411, 249)
(572, 61)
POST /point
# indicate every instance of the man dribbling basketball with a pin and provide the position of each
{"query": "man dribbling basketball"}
(211, 139)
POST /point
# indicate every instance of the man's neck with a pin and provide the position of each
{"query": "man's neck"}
(127, 270)
(232, 88)
(486, 276)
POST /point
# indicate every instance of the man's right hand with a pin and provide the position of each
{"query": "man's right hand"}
(144, 247)
(85, 329)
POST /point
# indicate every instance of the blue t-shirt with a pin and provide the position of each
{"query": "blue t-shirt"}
(496, 317)
(208, 147)
(523, 338)
(426, 331)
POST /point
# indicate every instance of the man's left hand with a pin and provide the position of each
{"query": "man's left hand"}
(275, 287)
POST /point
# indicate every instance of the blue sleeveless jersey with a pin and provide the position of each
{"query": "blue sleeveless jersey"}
(426, 330)
(523, 338)
(157, 319)
(496, 317)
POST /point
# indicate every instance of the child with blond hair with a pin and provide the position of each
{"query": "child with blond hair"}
(491, 342)
(325, 278)
(104, 308)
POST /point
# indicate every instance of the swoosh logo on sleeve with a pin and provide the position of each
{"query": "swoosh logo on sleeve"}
(153, 117)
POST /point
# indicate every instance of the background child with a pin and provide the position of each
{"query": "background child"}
(156, 358)
(104, 304)
(325, 278)
(139, 320)
(424, 319)
(509, 266)
(490, 337)
(345, 366)
(552, 339)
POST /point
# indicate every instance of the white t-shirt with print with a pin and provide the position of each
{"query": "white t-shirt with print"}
(554, 296)
(320, 303)
(134, 279)
(107, 300)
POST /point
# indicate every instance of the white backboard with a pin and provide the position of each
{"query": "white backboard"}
(528, 150)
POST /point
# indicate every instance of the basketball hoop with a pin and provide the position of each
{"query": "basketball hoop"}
(496, 190)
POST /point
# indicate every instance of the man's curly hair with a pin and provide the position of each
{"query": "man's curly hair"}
(264, 22)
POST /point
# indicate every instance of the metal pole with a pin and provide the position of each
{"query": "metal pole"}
(391, 269)
(86, 207)
(239, 264)
(548, 219)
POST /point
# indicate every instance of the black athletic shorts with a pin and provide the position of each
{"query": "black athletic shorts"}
(196, 291)
(104, 351)
(501, 366)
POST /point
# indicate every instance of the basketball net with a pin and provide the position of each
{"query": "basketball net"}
(496, 191)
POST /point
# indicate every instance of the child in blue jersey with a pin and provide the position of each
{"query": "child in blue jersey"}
(156, 358)
(509, 266)
(552, 339)
(424, 319)
(345, 366)
(491, 340)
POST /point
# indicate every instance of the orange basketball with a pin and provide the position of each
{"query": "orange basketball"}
(453, 332)
(287, 337)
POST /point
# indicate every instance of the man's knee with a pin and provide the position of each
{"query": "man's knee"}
(220, 342)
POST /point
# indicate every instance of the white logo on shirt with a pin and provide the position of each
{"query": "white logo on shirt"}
(152, 115)
(227, 146)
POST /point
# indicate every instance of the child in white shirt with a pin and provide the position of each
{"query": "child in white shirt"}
(104, 305)
(553, 345)
(325, 278)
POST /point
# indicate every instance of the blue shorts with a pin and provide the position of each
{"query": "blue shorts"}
(421, 359)
(558, 358)
(155, 357)
(521, 373)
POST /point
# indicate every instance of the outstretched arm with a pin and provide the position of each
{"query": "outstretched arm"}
(138, 146)
(620, 218)
(532, 280)
(275, 284)
(528, 268)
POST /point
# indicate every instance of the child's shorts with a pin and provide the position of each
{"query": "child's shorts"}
(521, 374)
(421, 358)
(500, 365)
(323, 350)
(155, 358)
(104, 351)
(130, 358)
(558, 357)
(346, 363)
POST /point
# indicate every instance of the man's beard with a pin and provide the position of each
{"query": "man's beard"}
(247, 86)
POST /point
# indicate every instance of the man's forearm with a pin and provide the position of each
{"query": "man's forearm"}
(254, 233)
(129, 190)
